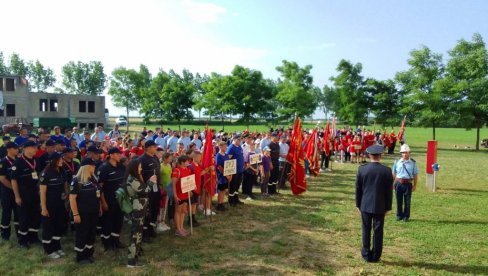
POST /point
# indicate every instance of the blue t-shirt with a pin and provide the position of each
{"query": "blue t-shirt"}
(83, 143)
(55, 138)
(236, 152)
(219, 161)
(20, 140)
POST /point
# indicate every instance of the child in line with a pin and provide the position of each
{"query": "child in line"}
(266, 167)
(180, 198)
(222, 181)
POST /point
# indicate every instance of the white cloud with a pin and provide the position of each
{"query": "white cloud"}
(201, 12)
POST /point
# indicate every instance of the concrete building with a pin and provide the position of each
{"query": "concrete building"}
(19, 104)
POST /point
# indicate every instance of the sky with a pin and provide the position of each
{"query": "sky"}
(213, 36)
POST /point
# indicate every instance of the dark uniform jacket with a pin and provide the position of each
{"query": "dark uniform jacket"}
(374, 188)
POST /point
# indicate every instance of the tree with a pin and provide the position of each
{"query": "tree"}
(4, 70)
(218, 99)
(424, 100)
(18, 66)
(324, 99)
(126, 88)
(467, 79)
(84, 78)
(249, 91)
(170, 96)
(40, 78)
(352, 101)
(295, 91)
(386, 101)
(269, 107)
(198, 82)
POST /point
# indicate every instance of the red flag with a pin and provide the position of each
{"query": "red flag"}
(386, 139)
(295, 158)
(402, 129)
(327, 135)
(334, 131)
(312, 152)
(209, 180)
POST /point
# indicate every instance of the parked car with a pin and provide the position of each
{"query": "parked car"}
(121, 121)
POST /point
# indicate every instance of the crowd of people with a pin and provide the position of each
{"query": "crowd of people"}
(72, 180)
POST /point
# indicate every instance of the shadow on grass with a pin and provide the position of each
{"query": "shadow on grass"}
(468, 222)
(477, 270)
(481, 151)
(466, 190)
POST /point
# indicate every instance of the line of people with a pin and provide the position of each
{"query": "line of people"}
(55, 183)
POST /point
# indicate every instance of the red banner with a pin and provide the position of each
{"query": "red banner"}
(327, 135)
(296, 159)
(312, 152)
(209, 180)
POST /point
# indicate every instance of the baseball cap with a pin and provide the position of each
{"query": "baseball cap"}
(87, 161)
(11, 145)
(54, 155)
(30, 144)
(149, 143)
(113, 150)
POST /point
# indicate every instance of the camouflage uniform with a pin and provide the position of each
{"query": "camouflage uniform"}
(138, 192)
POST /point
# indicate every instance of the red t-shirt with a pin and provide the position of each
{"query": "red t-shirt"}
(39, 152)
(353, 144)
(180, 173)
(137, 151)
(197, 170)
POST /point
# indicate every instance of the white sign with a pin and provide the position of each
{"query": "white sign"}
(188, 183)
(230, 167)
(255, 159)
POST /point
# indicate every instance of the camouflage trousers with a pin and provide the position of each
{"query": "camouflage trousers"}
(139, 206)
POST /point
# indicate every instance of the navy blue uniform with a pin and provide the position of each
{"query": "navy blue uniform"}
(8, 200)
(374, 193)
(236, 153)
(111, 178)
(41, 162)
(88, 201)
(275, 172)
(24, 171)
(54, 224)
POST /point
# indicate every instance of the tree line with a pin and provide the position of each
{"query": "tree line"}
(432, 92)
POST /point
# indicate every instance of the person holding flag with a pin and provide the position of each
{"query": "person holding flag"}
(295, 157)
(209, 179)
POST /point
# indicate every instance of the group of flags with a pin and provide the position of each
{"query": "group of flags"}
(298, 151)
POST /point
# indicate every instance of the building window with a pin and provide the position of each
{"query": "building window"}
(43, 105)
(53, 105)
(91, 126)
(10, 110)
(1, 113)
(1, 84)
(91, 107)
(10, 85)
(82, 106)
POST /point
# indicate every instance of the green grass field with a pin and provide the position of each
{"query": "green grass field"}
(317, 233)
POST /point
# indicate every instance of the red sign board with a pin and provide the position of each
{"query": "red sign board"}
(431, 156)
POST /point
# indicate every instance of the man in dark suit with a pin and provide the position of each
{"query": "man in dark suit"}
(374, 193)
